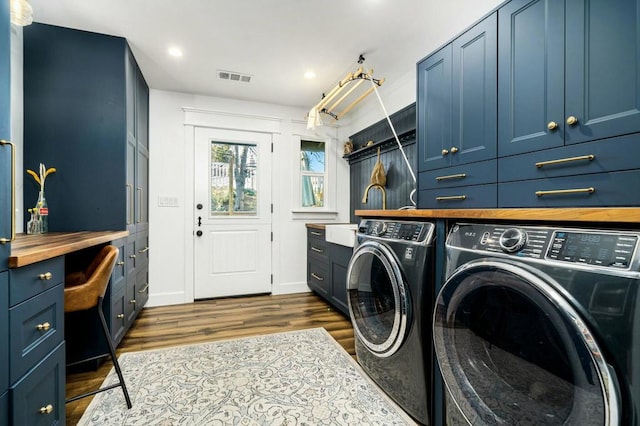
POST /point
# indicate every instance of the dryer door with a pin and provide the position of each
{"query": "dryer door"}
(378, 298)
(513, 350)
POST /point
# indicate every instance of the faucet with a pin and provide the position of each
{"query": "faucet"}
(381, 188)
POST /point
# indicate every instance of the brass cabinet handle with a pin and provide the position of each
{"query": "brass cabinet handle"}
(144, 250)
(46, 276)
(552, 125)
(572, 121)
(452, 197)
(456, 176)
(317, 250)
(317, 277)
(46, 410)
(454, 149)
(590, 190)
(317, 234)
(132, 256)
(139, 205)
(121, 263)
(13, 192)
(132, 301)
(120, 316)
(144, 289)
(130, 218)
(43, 327)
(589, 157)
(445, 151)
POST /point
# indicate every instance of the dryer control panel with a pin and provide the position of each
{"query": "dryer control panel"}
(417, 232)
(594, 247)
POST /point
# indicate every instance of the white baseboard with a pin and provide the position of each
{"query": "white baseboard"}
(165, 299)
(289, 288)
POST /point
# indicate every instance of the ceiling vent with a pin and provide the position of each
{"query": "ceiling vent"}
(233, 76)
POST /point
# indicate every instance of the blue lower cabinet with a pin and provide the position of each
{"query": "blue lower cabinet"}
(464, 197)
(4, 332)
(39, 397)
(594, 190)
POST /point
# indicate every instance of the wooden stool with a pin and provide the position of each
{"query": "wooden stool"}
(85, 290)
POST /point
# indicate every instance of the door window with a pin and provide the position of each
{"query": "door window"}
(233, 174)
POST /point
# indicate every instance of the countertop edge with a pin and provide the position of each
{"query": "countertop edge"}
(603, 215)
(29, 249)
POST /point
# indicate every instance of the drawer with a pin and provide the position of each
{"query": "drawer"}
(610, 190)
(33, 279)
(118, 276)
(479, 173)
(42, 388)
(315, 233)
(142, 288)
(117, 319)
(318, 248)
(464, 197)
(29, 342)
(142, 248)
(609, 155)
(318, 277)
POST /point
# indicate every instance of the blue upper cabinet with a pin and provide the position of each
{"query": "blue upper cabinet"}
(457, 100)
(569, 72)
(5, 134)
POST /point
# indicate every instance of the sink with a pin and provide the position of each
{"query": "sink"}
(343, 234)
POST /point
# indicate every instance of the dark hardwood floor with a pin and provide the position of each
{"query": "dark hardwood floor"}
(211, 320)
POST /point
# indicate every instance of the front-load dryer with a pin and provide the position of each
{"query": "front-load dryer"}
(390, 294)
(539, 325)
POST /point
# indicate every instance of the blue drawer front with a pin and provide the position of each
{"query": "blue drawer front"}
(611, 190)
(4, 332)
(465, 175)
(27, 343)
(43, 386)
(26, 282)
(609, 155)
(479, 196)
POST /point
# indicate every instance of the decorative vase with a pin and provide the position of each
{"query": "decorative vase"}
(42, 210)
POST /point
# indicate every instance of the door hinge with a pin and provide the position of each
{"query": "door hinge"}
(271, 278)
(271, 236)
(272, 208)
(271, 146)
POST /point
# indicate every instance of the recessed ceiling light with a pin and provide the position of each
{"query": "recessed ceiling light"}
(176, 52)
(309, 75)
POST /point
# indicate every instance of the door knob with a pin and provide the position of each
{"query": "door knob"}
(445, 151)
(199, 233)
(454, 149)
(572, 121)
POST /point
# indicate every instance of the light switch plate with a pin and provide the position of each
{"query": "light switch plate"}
(168, 201)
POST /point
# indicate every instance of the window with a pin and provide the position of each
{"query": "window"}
(312, 173)
(233, 179)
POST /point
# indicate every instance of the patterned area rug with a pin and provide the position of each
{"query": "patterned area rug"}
(293, 378)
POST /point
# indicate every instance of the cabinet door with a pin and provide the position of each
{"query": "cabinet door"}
(433, 110)
(602, 68)
(132, 149)
(474, 100)
(530, 76)
(5, 134)
(142, 189)
(4, 332)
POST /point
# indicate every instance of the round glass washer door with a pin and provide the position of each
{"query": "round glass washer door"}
(512, 350)
(378, 298)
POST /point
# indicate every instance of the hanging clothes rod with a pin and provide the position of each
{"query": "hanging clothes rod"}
(351, 81)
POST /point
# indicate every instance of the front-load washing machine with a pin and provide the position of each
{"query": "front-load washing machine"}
(539, 325)
(390, 294)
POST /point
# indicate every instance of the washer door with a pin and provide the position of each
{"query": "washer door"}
(378, 298)
(513, 350)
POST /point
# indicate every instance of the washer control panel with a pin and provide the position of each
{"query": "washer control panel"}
(600, 248)
(416, 232)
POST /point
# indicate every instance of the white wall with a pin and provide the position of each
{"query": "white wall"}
(170, 174)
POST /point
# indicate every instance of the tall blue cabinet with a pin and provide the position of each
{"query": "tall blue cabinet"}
(5, 204)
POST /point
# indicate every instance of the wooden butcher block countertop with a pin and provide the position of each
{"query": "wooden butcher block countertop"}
(28, 249)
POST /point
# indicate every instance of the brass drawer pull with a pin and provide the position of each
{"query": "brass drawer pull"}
(46, 410)
(451, 198)
(317, 234)
(144, 250)
(317, 250)
(317, 277)
(120, 316)
(566, 191)
(46, 276)
(43, 327)
(13, 192)
(456, 176)
(132, 256)
(144, 290)
(121, 263)
(132, 301)
(130, 218)
(589, 157)
(572, 120)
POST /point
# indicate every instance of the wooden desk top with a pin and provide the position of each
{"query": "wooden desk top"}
(606, 215)
(28, 249)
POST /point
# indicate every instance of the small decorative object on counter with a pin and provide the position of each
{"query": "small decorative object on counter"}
(39, 222)
(348, 147)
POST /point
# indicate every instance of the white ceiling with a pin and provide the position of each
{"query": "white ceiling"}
(274, 41)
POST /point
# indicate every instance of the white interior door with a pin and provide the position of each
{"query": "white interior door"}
(232, 212)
